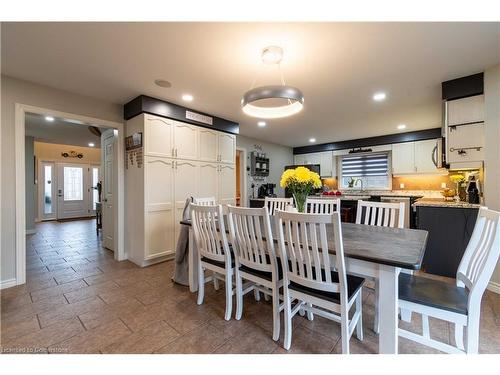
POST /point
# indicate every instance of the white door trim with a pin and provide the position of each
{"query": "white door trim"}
(20, 112)
(243, 176)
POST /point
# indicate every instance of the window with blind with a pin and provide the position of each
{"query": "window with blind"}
(372, 171)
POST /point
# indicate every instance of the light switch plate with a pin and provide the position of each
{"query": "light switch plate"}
(443, 185)
(401, 186)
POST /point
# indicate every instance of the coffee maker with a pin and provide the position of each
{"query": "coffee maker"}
(473, 188)
(266, 190)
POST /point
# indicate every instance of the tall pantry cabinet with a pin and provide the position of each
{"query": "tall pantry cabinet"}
(180, 160)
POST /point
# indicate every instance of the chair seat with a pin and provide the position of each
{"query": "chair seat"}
(263, 274)
(433, 293)
(354, 283)
(217, 263)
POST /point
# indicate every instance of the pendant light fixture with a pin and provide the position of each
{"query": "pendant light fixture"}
(292, 96)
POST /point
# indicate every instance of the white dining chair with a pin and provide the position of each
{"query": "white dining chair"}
(382, 214)
(274, 204)
(213, 250)
(308, 275)
(205, 201)
(322, 205)
(255, 258)
(460, 303)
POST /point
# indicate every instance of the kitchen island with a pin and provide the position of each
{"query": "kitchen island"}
(450, 225)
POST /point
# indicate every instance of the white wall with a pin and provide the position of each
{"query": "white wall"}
(17, 91)
(279, 156)
(492, 149)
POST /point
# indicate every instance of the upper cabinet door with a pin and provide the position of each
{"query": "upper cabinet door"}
(326, 164)
(298, 159)
(467, 110)
(227, 148)
(423, 156)
(207, 145)
(185, 141)
(403, 158)
(158, 137)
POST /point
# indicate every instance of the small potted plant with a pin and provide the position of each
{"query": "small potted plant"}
(300, 181)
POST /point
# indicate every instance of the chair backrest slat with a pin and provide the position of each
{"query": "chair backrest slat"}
(322, 205)
(382, 214)
(209, 232)
(274, 204)
(303, 244)
(481, 255)
(252, 239)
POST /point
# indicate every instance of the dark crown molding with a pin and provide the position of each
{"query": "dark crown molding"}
(419, 135)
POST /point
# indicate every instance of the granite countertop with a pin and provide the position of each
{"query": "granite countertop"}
(441, 202)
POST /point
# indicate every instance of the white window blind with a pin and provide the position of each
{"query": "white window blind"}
(365, 165)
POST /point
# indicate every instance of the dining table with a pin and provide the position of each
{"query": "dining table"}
(374, 252)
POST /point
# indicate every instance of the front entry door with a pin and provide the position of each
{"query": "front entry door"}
(72, 197)
(107, 148)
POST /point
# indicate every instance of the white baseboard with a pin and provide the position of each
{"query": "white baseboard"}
(494, 287)
(7, 283)
(30, 231)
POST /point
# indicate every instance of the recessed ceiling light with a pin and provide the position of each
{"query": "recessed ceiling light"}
(261, 124)
(91, 144)
(401, 126)
(379, 96)
(49, 118)
(312, 140)
(163, 83)
(187, 97)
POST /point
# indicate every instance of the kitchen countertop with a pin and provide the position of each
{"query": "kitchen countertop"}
(441, 202)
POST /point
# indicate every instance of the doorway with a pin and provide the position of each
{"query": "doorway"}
(77, 183)
(241, 177)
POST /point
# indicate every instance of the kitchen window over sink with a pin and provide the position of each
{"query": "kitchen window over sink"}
(367, 171)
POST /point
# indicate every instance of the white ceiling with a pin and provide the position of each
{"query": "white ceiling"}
(338, 66)
(60, 131)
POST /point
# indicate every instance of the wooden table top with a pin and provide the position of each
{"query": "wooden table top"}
(404, 248)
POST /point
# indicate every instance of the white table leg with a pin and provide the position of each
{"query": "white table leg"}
(192, 263)
(388, 310)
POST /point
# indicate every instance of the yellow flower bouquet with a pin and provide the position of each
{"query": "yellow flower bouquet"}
(300, 181)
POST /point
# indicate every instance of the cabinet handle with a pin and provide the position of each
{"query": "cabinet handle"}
(175, 152)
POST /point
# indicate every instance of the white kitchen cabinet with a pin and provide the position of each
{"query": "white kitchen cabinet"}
(159, 208)
(403, 158)
(158, 136)
(423, 157)
(466, 110)
(156, 191)
(324, 159)
(227, 184)
(209, 179)
(186, 185)
(227, 148)
(466, 143)
(414, 158)
(207, 145)
(185, 141)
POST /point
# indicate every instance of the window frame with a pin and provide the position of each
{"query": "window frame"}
(389, 172)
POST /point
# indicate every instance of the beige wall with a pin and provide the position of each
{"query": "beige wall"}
(17, 91)
(52, 152)
(492, 149)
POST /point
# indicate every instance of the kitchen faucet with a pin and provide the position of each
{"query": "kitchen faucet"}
(361, 182)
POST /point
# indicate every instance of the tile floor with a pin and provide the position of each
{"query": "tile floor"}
(78, 299)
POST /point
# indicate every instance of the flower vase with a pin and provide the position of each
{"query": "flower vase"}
(300, 201)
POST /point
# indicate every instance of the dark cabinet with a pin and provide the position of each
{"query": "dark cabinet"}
(450, 229)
